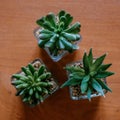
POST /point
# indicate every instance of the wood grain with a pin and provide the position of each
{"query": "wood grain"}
(100, 30)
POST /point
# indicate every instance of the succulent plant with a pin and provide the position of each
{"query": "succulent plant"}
(90, 75)
(57, 33)
(32, 84)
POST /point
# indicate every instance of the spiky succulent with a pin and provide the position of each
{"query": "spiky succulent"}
(57, 33)
(89, 76)
(32, 84)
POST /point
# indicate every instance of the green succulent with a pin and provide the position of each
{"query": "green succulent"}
(57, 33)
(32, 84)
(90, 75)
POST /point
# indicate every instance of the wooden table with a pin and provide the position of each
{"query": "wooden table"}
(100, 30)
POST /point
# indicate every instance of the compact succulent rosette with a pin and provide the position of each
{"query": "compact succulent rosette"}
(34, 83)
(87, 78)
(57, 35)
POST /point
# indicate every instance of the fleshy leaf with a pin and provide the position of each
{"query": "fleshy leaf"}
(104, 86)
(97, 87)
(104, 74)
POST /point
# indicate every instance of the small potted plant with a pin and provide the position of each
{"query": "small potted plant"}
(34, 83)
(57, 35)
(87, 78)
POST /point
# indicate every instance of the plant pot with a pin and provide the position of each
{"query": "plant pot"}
(36, 64)
(75, 92)
(61, 53)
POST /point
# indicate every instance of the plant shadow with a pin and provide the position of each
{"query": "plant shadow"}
(61, 109)
(57, 68)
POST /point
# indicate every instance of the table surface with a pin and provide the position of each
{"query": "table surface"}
(100, 30)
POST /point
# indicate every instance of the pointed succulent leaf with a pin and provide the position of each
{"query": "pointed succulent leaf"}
(104, 74)
(98, 62)
(86, 63)
(104, 67)
(77, 75)
(104, 86)
(97, 87)
(71, 82)
(89, 92)
(90, 57)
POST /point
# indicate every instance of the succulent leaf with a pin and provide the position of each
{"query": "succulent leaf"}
(32, 85)
(104, 86)
(89, 74)
(57, 33)
(97, 87)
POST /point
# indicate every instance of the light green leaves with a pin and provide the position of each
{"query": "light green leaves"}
(57, 33)
(33, 84)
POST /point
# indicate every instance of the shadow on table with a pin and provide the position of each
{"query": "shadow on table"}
(60, 107)
(57, 68)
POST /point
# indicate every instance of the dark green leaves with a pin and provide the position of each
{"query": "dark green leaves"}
(89, 75)
(98, 62)
(86, 63)
(71, 82)
(104, 74)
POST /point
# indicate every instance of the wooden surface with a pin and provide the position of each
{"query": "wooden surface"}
(100, 30)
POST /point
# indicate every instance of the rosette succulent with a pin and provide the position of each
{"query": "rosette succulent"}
(57, 33)
(32, 84)
(90, 75)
